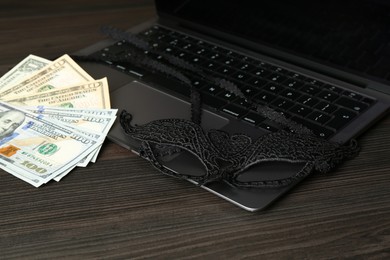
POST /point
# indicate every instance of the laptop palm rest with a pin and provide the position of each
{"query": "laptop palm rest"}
(146, 103)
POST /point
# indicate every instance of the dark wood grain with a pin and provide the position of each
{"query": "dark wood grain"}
(121, 208)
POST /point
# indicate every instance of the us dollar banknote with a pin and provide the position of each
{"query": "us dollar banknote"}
(36, 149)
(62, 72)
(93, 94)
(22, 70)
(85, 122)
(88, 111)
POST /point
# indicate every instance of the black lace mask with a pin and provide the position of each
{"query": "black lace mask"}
(224, 157)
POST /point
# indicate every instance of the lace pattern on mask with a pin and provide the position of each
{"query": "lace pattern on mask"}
(226, 157)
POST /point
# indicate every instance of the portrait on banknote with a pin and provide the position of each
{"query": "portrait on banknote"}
(10, 120)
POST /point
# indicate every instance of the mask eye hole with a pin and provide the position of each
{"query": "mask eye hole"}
(266, 171)
(180, 161)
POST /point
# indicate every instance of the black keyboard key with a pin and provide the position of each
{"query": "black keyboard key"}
(224, 70)
(319, 117)
(273, 88)
(198, 83)
(235, 110)
(241, 76)
(276, 78)
(229, 61)
(189, 47)
(268, 127)
(244, 103)
(200, 43)
(168, 50)
(282, 103)
(277, 69)
(295, 75)
(326, 107)
(212, 89)
(317, 129)
(184, 55)
(225, 52)
(253, 118)
(352, 95)
(310, 89)
(117, 49)
(261, 64)
(293, 83)
(249, 91)
(314, 82)
(300, 110)
(156, 45)
(260, 72)
(201, 51)
(257, 82)
(283, 112)
(152, 55)
(215, 56)
(246, 66)
(351, 104)
(227, 96)
(210, 65)
(308, 100)
(332, 88)
(328, 95)
(341, 118)
(290, 94)
(264, 98)
(197, 60)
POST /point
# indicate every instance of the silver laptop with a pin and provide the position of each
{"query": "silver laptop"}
(324, 65)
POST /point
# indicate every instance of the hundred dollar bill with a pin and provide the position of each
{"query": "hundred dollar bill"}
(94, 94)
(87, 159)
(84, 161)
(22, 70)
(105, 112)
(81, 121)
(60, 73)
(86, 122)
(34, 181)
(35, 149)
(62, 111)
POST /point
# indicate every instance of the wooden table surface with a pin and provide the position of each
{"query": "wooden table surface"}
(121, 208)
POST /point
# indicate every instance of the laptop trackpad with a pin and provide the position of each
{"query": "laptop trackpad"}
(146, 103)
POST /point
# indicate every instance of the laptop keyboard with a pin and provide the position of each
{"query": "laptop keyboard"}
(322, 107)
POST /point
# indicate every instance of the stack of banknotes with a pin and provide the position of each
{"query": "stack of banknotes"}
(53, 117)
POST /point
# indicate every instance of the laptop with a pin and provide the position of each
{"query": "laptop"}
(322, 64)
